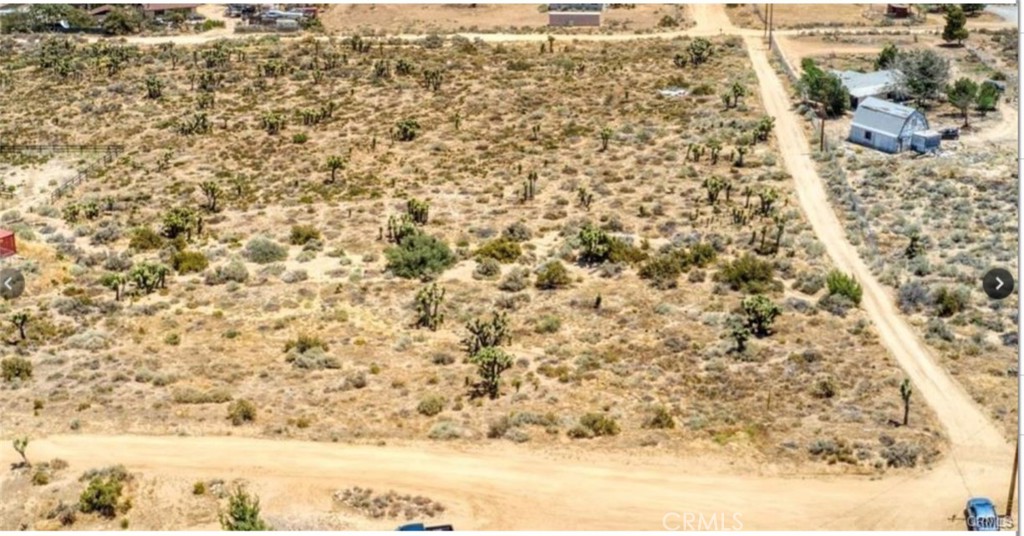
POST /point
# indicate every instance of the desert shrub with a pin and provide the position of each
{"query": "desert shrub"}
(844, 285)
(552, 275)
(938, 329)
(662, 270)
(234, 270)
(948, 302)
(501, 249)
(108, 232)
(419, 256)
(499, 427)
(191, 395)
(901, 455)
(809, 282)
(243, 513)
(103, 493)
(824, 387)
(185, 262)
(13, 368)
(303, 343)
(487, 268)
(836, 304)
(262, 250)
(294, 276)
(144, 238)
(312, 359)
(445, 430)
(431, 405)
(599, 424)
(548, 324)
(912, 296)
(518, 232)
(241, 411)
(301, 234)
(298, 138)
(701, 255)
(747, 273)
(661, 419)
(199, 488)
(515, 281)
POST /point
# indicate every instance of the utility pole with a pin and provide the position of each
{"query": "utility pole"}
(771, 20)
(1013, 478)
(766, 8)
(822, 149)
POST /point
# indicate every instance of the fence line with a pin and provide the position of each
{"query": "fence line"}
(110, 152)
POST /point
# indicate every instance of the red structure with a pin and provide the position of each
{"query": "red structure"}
(7, 245)
(898, 11)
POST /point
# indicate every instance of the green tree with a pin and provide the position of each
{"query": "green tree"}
(428, 307)
(699, 51)
(962, 94)
(606, 136)
(20, 320)
(334, 163)
(823, 87)
(419, 255)
(956, 25)
(988, 97)
(490, 363)
(761, 313)
(905, 391)
(243, 513)
(121, 21)
(973, 9)
(922, 74)
(20, 444)
(844, 285)
(887, 57)
(115, 281)
(212, 192)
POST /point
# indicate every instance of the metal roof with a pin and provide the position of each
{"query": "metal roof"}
(862, 85)
(879, 115)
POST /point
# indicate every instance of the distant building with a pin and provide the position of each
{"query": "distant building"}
(886, 126)
(880, 84)
(897, 11)
(163, 10)
(574, 14)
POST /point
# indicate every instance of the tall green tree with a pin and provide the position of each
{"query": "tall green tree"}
(988, 97)
(956, 25)
(823, 87)
(962, 94)
(922, 74)
(887, 57)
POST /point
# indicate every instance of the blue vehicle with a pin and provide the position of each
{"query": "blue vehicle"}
(981, 515)
(422, 527)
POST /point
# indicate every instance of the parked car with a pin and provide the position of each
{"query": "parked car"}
(981, 515)
(421, 527)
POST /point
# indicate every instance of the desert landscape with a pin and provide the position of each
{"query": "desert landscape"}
(414, 268)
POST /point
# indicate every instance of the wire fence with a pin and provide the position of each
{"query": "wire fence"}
(110, 152)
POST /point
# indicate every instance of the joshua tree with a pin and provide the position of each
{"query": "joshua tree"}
(716, 147)
(418, 210)
(20, 444)
(407, 129)
(714, 186)
(761, 313)
(585, 197)
(764, 128)
(19, 320)
(272, 122)
(212, 192)
(490, 363)
(699, 51)
(432, 79)
(487, 334)
(905, 391)
(428, 306)
(117, 282)
(915, 247)
(768, 197)
(399, 228)
(529, 187)
(742, 146)
(154, 87)
(551, 44)
(334, 163)
(606, 136)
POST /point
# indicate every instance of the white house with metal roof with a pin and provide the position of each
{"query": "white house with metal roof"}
(881, 84)
(885, 125)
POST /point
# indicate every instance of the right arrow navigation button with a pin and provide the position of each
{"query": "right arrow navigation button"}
(998, 283)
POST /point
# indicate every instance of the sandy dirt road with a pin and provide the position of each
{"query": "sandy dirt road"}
(510, 487)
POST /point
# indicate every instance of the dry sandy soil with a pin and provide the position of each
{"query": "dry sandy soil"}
(796, 16)
(817, 396)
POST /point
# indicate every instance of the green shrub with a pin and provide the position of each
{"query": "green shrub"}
(304, 343)
(241, 411)
(548, 324)
(243, 513)
(948, 302)
(599, 424)
(661, 419)
(701, 255)
(431, 405)
(516, 280)
(300, 138)
(844, 285)
(501, 249)
(185, 262)
(419, 256)
(487, 268)
(15, 368)
(144, 238)
(101, 496)
(199, 488)
(553, 275)
(302, 234)
(747, 273)
(262, 250)
(663, 270)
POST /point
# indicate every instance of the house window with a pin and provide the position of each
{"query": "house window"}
(867, 135)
